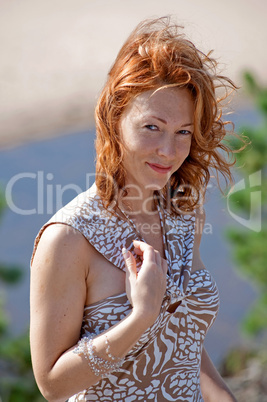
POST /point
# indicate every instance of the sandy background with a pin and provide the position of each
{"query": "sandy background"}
(55, 54)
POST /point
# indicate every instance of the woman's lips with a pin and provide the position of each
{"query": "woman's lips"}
(159, 168)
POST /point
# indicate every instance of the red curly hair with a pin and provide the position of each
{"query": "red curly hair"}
(157, 55)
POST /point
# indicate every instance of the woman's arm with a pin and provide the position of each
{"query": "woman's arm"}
(58, 292)
(213, 387)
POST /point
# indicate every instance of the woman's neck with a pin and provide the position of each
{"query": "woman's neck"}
(136, 203)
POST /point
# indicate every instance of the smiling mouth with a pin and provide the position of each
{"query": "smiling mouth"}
(159, 168)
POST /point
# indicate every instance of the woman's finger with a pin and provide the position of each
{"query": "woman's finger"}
(141, 248)
(129, 261)
(144, 249)
(158, 258)
(164, 266)
(138, 251)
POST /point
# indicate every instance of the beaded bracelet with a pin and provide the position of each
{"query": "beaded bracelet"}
(98, 365)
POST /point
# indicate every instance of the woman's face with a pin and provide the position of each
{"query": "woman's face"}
(156, 130)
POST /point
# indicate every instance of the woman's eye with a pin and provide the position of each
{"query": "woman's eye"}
(151, 127)
(184, 132)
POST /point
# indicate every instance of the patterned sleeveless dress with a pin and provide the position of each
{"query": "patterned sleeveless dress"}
(164, 365)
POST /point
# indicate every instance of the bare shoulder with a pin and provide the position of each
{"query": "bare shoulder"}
(61, 242)
(58, 277)
(60, 266)
(61, 234)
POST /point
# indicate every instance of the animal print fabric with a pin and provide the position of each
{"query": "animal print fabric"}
(164, 365)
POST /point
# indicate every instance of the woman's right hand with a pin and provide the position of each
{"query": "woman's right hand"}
(145, 289)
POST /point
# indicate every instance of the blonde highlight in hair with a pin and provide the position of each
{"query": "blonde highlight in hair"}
(157, 55)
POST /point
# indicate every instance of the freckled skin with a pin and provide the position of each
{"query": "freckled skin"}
(156, 128)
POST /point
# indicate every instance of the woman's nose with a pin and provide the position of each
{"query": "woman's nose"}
(167, 148)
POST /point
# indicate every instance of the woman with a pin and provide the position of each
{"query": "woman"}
(120, 299)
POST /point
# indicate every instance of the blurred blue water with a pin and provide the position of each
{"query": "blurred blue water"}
(67, 161)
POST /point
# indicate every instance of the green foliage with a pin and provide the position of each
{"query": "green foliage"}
(16, 352)
(249, 247)
(22, 390)
(254, 157)
(259, 94)
(249, 250)
(2, 202)
(244, 358)
(17, 382)
(236, 361)
(257, 318)
(10, 273)
(3, 318)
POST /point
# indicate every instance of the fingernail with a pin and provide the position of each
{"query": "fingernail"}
(125, 252)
